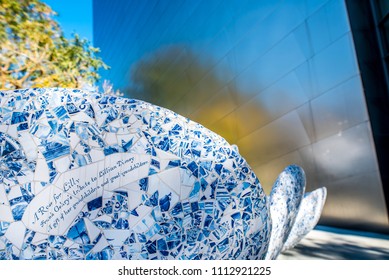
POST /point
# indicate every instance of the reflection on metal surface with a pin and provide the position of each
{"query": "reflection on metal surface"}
(277, 78)
(190, 87)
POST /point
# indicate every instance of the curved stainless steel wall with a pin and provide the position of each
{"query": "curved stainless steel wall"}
(278, 78)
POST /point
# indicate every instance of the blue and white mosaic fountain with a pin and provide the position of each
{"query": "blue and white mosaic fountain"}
(89, 176)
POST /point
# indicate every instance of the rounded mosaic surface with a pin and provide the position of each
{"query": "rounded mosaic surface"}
(88, 176)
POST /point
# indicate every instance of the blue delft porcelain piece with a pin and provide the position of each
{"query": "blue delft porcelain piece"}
(90, 176)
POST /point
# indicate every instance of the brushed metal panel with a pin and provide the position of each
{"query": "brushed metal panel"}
(338, 23)
(306, 113)
(254, 116)
(327, 24)
(217, 107)
(303, 38)
(313, 6)
(279, 137)
(356, 201)
(335, 64)
(269, 171)
(340, 108)
(283, 96)
(307, 78)
(266, 106)
(278, 61)
(348, 153)
(229, 126)
(318, 29)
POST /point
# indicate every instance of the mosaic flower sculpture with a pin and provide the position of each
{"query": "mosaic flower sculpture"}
(89, 176)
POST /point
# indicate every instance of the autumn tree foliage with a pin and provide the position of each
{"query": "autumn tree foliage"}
(35, 53)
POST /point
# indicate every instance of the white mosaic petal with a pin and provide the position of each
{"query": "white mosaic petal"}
(285, 199)
(307, 216)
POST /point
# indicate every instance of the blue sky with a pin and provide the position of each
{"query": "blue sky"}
(74, 16)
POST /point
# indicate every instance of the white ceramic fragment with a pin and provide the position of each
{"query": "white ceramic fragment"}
(15, 234)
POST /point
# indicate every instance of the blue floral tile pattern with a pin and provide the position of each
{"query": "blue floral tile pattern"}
(89, 176)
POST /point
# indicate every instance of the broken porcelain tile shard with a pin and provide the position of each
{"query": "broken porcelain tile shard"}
(90, 176)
